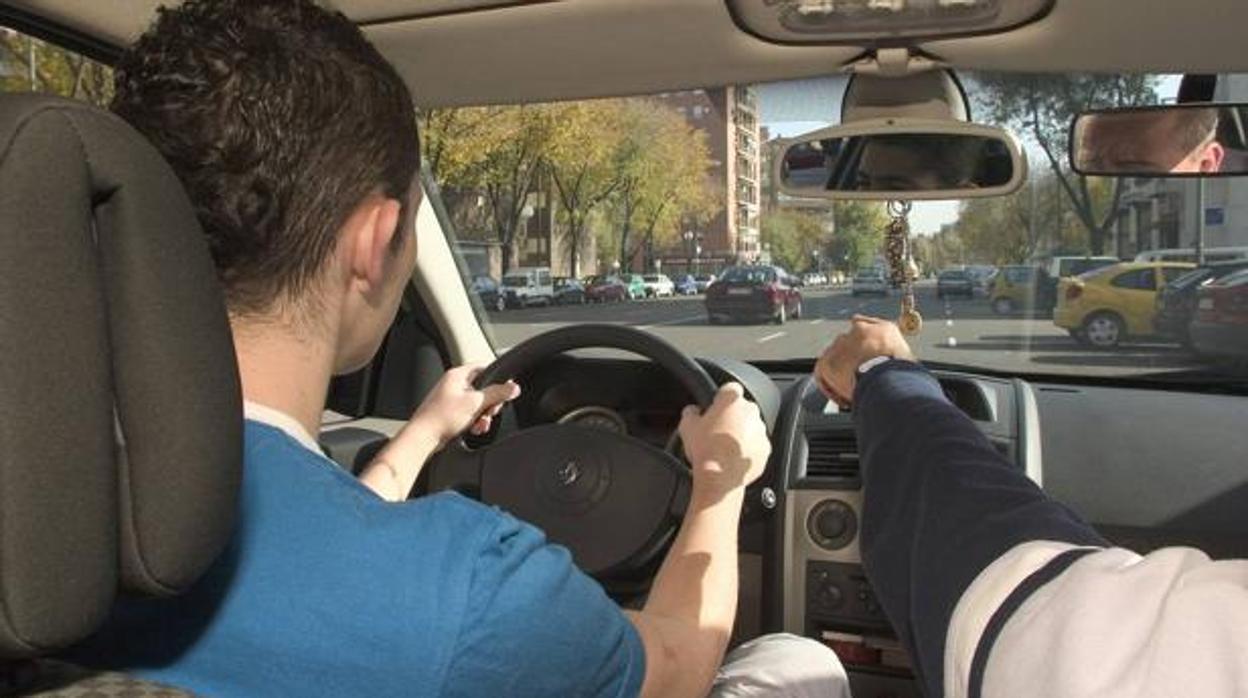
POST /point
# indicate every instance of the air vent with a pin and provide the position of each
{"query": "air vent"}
(832, 455)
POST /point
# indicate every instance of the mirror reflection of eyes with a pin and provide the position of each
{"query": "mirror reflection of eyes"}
(1171, 140)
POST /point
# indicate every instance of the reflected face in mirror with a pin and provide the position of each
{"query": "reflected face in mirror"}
(931, 161)
(916, 163)
(1177, 141)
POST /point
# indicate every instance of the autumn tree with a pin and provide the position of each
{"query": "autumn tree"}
(858, 234)
(56, 70)
(663, 164)
(1042, 106)
(492, 152)
(793, 236)
(581, 160)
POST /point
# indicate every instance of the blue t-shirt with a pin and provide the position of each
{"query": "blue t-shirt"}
(328, 590)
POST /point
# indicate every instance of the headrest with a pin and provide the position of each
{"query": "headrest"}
(120, 408)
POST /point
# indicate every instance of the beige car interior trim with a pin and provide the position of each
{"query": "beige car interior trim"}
(573, 49)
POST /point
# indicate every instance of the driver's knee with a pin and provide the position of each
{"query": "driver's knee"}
(781, 665)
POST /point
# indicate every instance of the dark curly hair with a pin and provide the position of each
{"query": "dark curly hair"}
(279, 117)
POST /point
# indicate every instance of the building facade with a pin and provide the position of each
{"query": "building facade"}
(729, 117)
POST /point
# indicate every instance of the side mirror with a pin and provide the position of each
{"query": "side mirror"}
(1178, 140)
(898, 158)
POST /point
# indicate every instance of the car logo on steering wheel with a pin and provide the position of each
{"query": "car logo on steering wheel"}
(569, 473)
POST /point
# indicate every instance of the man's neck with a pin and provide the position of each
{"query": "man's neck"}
(284, 368)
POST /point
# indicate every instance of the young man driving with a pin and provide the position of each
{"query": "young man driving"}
(296, 142)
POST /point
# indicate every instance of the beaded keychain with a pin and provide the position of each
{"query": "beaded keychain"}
(902, 269)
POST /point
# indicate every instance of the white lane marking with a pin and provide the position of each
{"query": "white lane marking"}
(816, 321)
(952, 342)
(949, 322)
(770, 337)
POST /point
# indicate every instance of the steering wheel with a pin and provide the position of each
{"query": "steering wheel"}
(614, 501)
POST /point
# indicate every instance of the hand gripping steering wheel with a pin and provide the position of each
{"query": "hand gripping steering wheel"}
(614, 501)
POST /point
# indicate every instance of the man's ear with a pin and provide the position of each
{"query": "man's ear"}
(376, 224)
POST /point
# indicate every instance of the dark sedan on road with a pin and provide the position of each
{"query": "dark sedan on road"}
(1220, 330)
(569, 291)
(954, 282)
(1176, 304)
(753, 293)
(488, 291)
(606, 289)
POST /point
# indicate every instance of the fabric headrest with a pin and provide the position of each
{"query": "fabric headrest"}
(120, 408)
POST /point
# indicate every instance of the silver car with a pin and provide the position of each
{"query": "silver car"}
(870, 282)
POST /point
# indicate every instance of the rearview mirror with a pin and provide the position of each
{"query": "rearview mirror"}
(1178, 140)
(908, 159)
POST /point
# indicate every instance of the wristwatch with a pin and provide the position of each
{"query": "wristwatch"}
(869, 364)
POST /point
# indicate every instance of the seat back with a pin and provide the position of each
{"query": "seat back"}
(120, 408)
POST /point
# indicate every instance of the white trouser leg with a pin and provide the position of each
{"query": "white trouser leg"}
(781, 665)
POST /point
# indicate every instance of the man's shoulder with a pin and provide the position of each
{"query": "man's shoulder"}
(278, 465)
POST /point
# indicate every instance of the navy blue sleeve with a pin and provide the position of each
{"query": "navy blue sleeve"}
(940, 505)
(538, 626)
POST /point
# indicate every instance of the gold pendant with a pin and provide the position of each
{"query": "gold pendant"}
(910, 322)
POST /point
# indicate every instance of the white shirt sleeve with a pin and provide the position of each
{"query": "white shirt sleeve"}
(1113, 623)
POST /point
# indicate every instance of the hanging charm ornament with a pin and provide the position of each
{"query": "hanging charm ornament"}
(901, 266)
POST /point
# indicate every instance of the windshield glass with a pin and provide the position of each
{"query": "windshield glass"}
(515, 281)
(679, 183)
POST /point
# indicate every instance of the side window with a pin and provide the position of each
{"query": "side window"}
(28, 64)
(1137, 280)
(1171, 273)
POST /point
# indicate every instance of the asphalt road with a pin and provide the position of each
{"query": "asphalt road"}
(955, 331)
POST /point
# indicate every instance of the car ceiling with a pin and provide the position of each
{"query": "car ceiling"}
(456, 52)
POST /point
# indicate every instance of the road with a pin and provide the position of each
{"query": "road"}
(955, 331)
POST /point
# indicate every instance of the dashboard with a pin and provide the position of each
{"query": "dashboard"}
(1148, 468)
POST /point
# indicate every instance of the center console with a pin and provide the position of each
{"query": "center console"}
(827, 595)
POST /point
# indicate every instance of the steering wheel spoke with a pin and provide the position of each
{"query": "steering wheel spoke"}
(614, 501)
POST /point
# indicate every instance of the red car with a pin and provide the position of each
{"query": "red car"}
(753, 293)
(1220, 329)
(605, 289)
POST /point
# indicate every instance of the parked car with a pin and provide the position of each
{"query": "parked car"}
(686, 285)
(814, 278)
(703, 281)
(870, 281)
(1103, 307)
(753, 293)
(1212, 255)
(1020, 288)
(1062, 267)
(525, 286)
(569, 291)
(1220, 329)
(606, 289)
(982, 277)
(658, 286)
(1176, 303)
(955, 282)
(636, 286)
(487, 289)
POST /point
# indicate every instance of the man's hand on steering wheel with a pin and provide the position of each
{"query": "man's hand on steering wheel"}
(727, 446)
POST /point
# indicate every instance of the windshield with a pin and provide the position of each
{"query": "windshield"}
(667, 185)
(515, 281)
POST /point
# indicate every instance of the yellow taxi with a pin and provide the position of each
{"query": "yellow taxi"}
(1103, 307)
